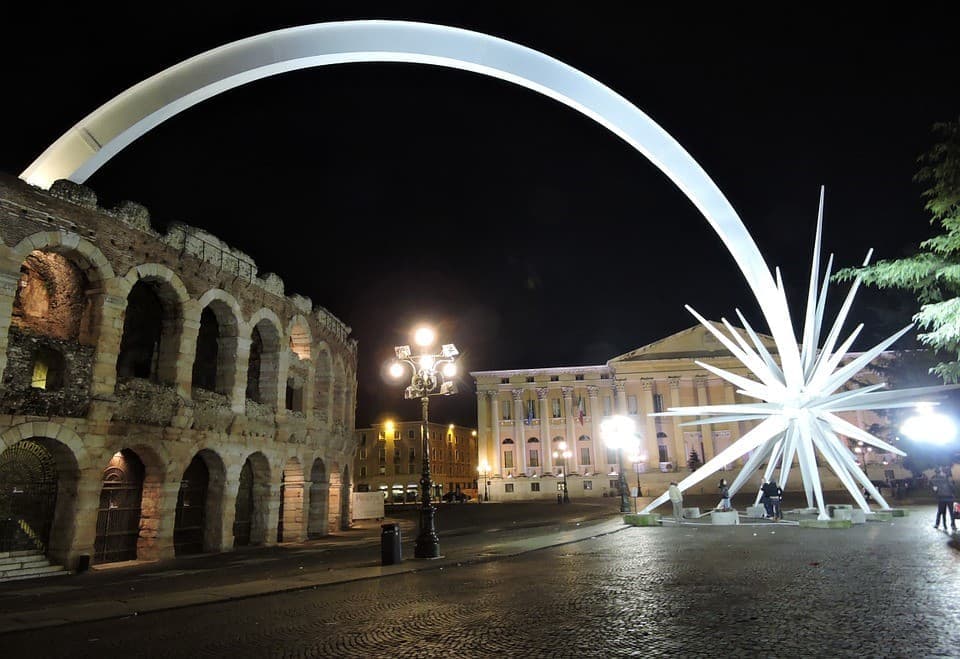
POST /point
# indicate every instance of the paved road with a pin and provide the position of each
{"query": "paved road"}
(878, 590)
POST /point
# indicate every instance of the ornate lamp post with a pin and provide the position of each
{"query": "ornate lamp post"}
(637, 460)
(618, 433)
(429, 371)
(484, 471)
(563, 455)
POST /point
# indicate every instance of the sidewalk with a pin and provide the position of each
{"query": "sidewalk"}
(136, 588)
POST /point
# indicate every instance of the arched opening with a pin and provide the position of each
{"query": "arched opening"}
(118, 516)
(506, 455)
(28, 497)
(205, 359)
(290, 522)
(294, 394)
(197, 523)
(253, 493)
(52, 298)
(48, 369)
(150, 329)
(319, 493)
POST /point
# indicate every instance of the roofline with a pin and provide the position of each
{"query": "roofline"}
(557, 370)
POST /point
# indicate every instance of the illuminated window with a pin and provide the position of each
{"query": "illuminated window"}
(47, 370)
(584, 455)
(534, 458)
(396, 434)
(534, 487)
(657, 403)
(508, 487)
(555, 402)
(631, 405)
(588, 485)
(508, 459)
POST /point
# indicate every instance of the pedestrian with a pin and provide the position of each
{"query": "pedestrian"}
(676, 498)
(724, 495)
(765, 497)
(942, 486)
(776, 496)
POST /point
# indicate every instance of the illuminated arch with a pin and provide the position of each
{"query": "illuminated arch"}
(82, 150)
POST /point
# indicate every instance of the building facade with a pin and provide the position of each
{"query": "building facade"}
(389, 459)
(159, 397)
(524, 416)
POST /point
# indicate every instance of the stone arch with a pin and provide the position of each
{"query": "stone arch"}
(197, 527)
(324, 378)
(218, 342)
(317, 524)
(290, 526)
(66, 456)
(346, 490)
(143, 347)
(300, 337)
(252, 502)
(155, 459)
(263, 365)
(114, 125)
(91, 260)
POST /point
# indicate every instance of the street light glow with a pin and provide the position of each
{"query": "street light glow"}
(396, 369)
(449, 369)
(424, 336)
(929, 426)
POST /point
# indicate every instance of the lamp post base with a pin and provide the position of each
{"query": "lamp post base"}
(428, 544)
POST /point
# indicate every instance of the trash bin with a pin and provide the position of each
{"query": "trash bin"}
(389, 544)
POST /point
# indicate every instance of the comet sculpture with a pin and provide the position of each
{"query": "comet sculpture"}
(799, 398)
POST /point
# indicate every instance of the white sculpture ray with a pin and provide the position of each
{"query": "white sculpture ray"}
(799, 408)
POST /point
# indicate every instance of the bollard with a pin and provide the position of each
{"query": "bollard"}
(390, 544)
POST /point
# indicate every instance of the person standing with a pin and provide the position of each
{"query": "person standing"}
(942, 486)
(765, 497)
(724, 495)
(776, 495)
(676, 498)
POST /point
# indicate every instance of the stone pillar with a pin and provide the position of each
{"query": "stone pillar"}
(237, 377)
(8, 290)
(293, 522)
(112, 309)
(570, 415)
(619, 390)
(349, 412)
(494, 444)
(545, 426)
(185, 351)
(83, 521)
(519, 438)
(228, 513)
(318, 524)
(484, 424)
(158, 511)
(649, 424)
(678, 457)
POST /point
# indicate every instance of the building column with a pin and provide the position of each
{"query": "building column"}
(599, 448)
(619, 390)
(8, 291)
(545, 426)
(570, 415)
(650, 446)
(519, 440)
(706, 433)
(494, 444)
(109, 333)
(483, 427)
(679, 458)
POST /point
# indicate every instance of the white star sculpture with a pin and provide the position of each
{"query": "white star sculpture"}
(799, 398)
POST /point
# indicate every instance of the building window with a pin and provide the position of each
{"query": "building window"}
(363, 438)
(584, 455)
(413, 455)
(578, 376)
(611, 457)
(534, 487)
(382, 471)
(396, 434)
(615, 485)
(508, 459)
(588, 485)
(555, 402)
(504, 380)
(607, 406)
(506, 412)
(410, 435)
(559, 486)
(396, 453)
(529, 378)
(662, 450)
(632, 405)
(380, 435)
(657, 403)
(397, 468)
(554, 378)
(363, 471)
(508, 487)
(534, 457)
(381, 455)
(604, 376)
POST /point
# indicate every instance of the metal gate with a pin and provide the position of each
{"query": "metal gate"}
(244, 511)
(118, 517)
(191, 509)
(28, 497)
(283, 491)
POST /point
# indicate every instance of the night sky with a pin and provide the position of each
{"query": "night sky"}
(532, 237)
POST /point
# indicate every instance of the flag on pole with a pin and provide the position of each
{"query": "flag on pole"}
(580, 411)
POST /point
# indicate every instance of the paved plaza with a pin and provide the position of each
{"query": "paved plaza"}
(586, 586)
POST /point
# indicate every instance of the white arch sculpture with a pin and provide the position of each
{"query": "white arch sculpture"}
(106, 131)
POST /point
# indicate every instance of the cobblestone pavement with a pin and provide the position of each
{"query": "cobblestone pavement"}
(885, 589)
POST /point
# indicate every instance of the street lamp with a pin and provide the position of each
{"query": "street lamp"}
(618, 433)
(429, 373)
(484, 471)
(563, 455)
(927, 426)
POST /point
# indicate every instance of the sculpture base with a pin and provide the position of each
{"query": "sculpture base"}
(690, 513)
(725, 517)
(826, 523)
(643, 519)
(756, 512)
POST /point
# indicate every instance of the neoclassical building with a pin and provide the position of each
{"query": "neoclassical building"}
(389, 459)
(525, 415)
(159, 397)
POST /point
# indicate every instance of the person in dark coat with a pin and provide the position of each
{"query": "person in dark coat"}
(942, 486)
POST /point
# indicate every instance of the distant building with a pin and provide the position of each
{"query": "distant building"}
(525, 415)
(389, 459)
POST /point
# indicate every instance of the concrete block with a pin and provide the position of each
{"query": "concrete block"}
(642, 519)
(725, 518)
(691, 513)
(880, 516)
(858, 516)
(826, 523)
(898, 512)
(842, 514)
(756, 512)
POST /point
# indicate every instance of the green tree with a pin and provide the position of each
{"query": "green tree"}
(693, 462)
(933, 273)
